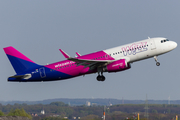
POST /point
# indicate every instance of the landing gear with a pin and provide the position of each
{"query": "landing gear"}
(100, 77)
(157, 63)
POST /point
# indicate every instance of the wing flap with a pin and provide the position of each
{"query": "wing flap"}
(90, 61)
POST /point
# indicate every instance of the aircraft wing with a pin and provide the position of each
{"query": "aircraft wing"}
(90, 63)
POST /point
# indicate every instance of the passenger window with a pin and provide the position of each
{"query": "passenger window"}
(164, 40)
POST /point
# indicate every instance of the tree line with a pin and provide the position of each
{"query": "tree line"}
(62, 110)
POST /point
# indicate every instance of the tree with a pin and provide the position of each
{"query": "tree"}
(1, 113)
(58, 104)
(91, 117)
(19, 112)
(53, 118)
(154, 111)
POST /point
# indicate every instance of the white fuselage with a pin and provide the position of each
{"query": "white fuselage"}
(142, 49)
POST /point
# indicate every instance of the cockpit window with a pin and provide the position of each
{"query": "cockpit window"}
(162, 41)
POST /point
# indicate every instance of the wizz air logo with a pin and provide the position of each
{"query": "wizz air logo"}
(64, 64)
(135, 48)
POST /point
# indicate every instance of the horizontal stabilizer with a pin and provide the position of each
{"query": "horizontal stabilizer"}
(26, 76)
(65, 54)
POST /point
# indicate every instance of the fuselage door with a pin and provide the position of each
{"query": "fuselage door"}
(42, 72)
(152, 44)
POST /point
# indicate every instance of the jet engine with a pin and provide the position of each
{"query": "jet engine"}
(117, 66)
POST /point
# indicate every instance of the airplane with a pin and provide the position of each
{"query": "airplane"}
(110, 60)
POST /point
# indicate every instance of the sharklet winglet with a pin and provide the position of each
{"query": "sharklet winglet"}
(65, 54)
(78, 54)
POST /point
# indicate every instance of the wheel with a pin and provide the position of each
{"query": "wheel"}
(103, 78)
(98, 78)
(158, 64)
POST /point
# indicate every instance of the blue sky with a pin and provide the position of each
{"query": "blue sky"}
(40, 28)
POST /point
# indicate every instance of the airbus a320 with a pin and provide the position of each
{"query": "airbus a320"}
(109, 60)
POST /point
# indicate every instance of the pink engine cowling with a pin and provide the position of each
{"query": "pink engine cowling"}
(116, 66)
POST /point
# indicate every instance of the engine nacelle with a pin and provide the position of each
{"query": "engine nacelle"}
(117, 66)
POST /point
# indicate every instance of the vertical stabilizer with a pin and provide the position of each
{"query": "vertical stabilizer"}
(19, 61)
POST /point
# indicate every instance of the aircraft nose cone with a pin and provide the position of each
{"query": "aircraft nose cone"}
(174, 45)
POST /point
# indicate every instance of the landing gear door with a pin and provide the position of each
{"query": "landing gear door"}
(152, 44)
(42, 72)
